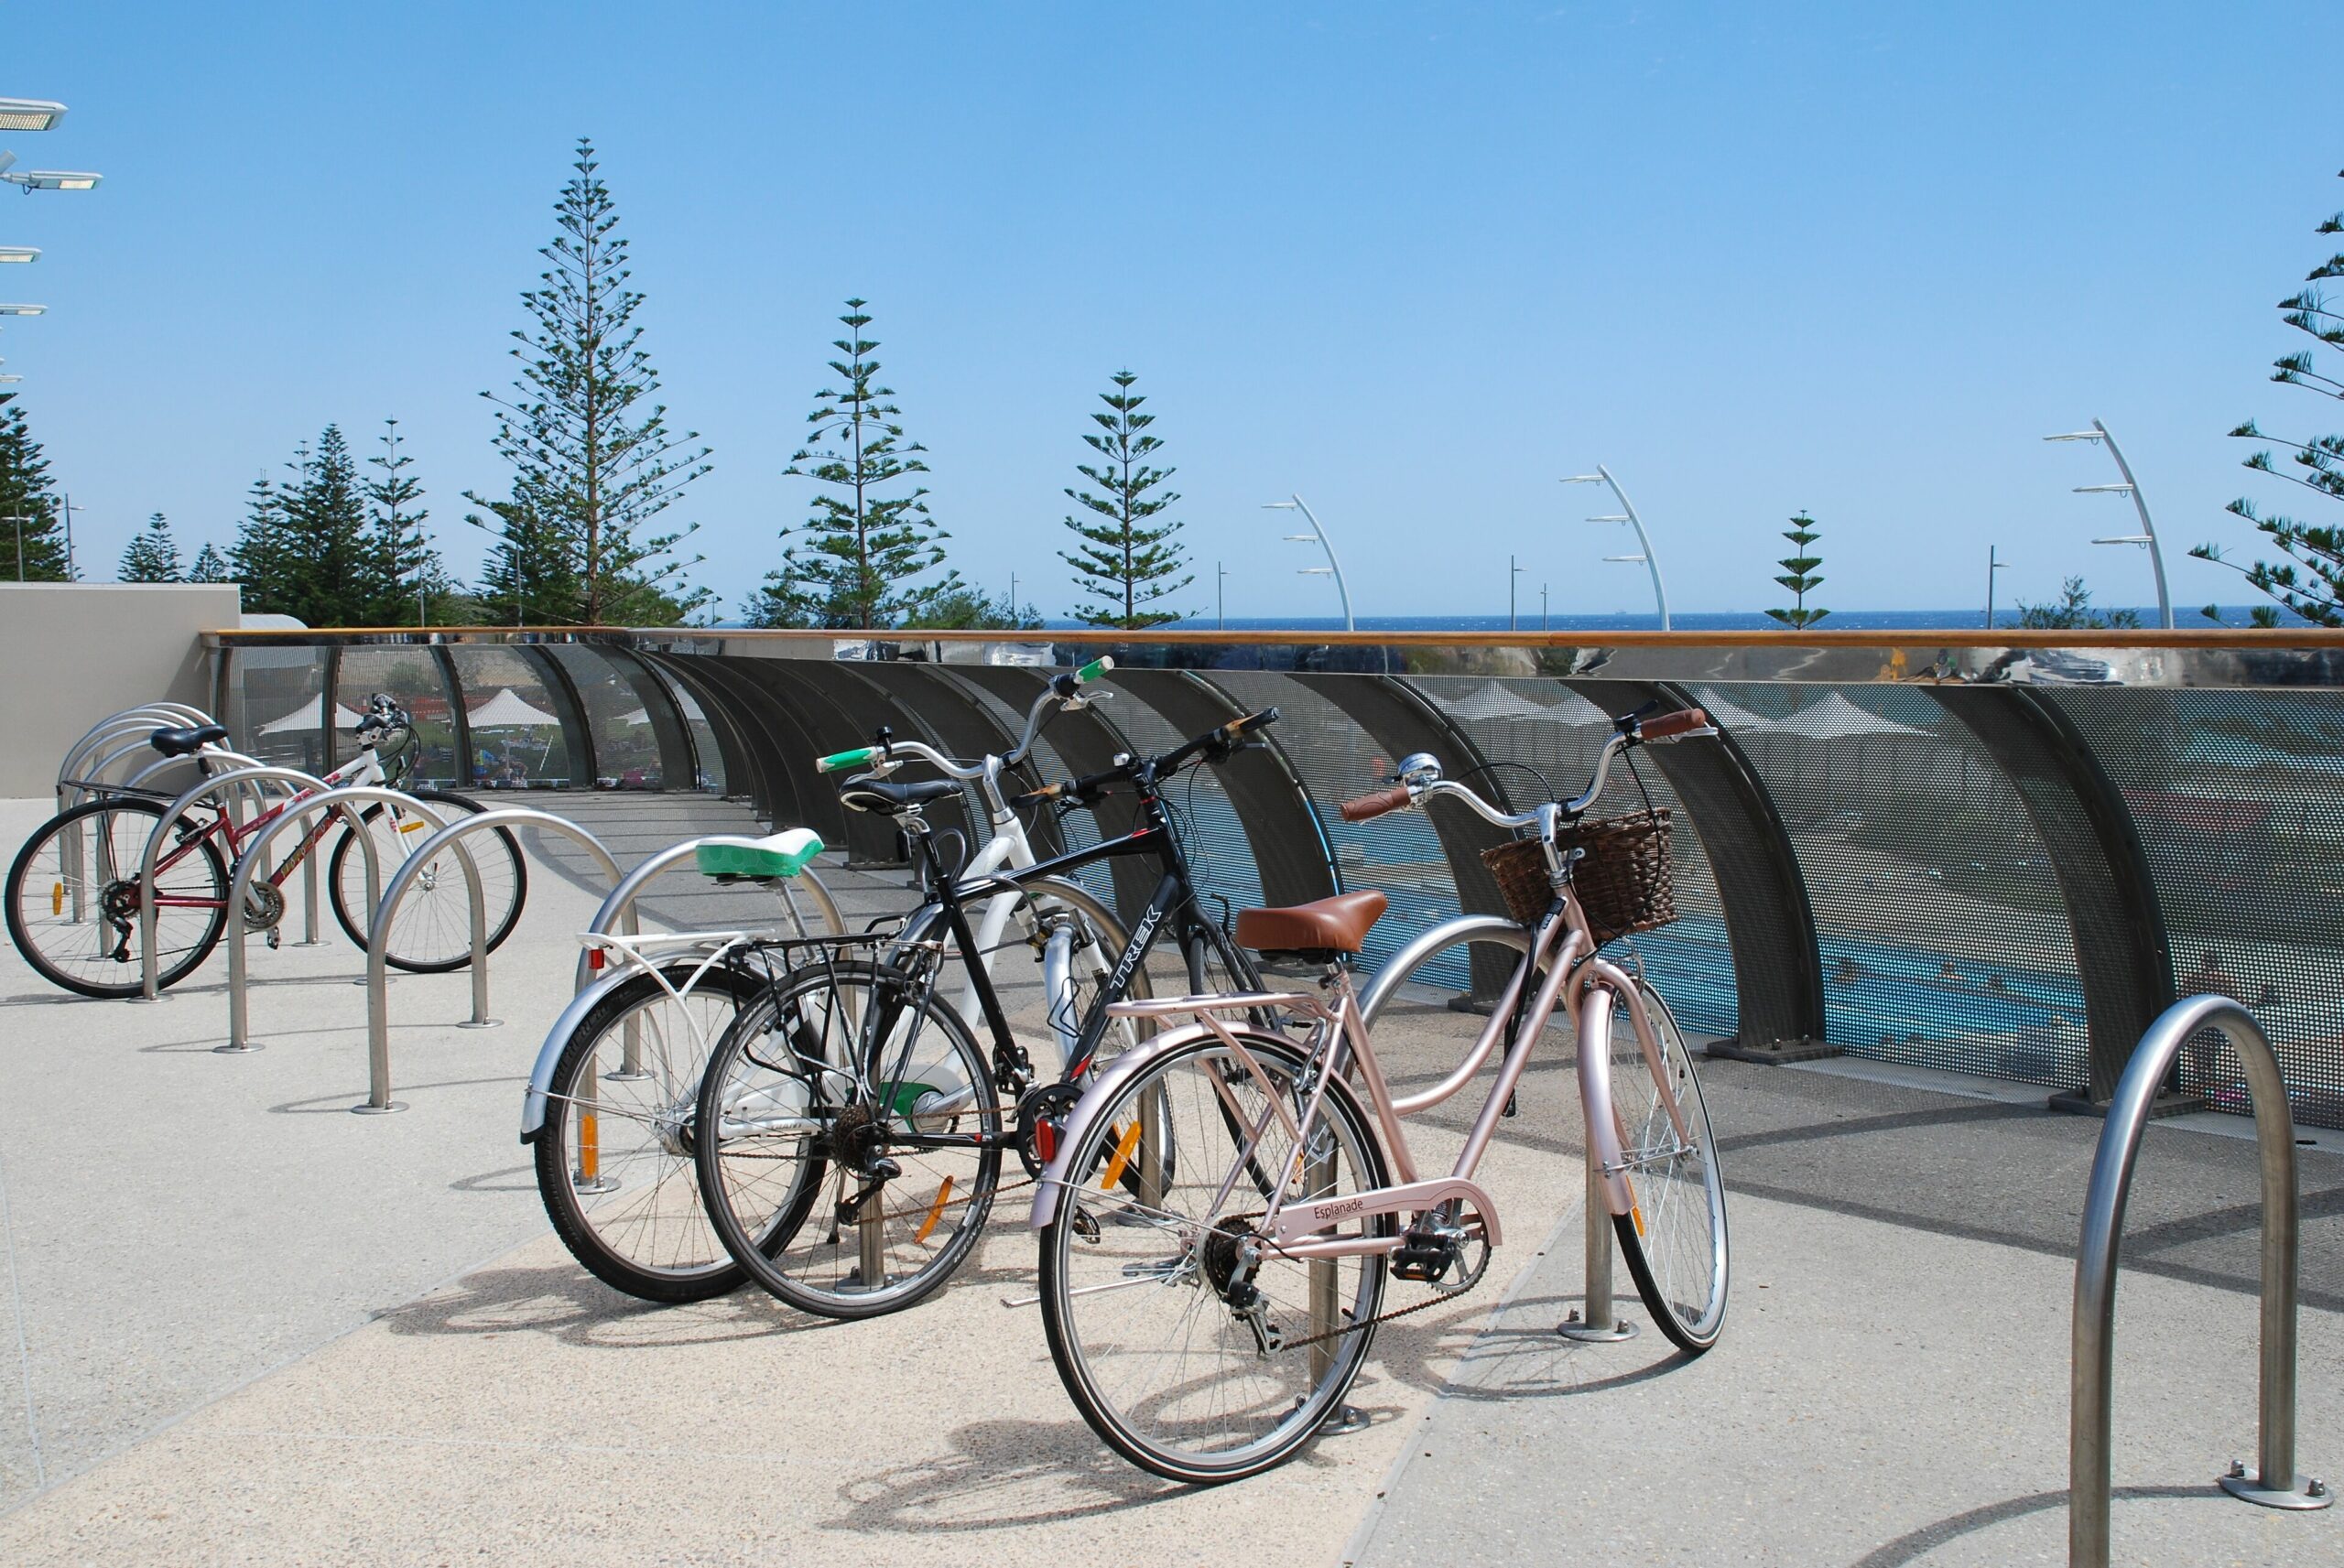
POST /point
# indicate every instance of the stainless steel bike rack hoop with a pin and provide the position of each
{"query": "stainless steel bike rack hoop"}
(2275, 1483)
(342, 800)
(620, 905)
(378, 1101)
(150, 968)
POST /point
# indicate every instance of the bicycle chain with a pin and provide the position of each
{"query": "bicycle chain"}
(1430, 1301)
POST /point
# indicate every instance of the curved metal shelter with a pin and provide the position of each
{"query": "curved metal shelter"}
(1998, 854)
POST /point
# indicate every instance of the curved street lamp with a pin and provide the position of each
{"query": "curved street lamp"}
(1316, 535)
(1627, 513)
(2147, 537)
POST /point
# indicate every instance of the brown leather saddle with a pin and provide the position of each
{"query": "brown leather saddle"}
(1317, 931)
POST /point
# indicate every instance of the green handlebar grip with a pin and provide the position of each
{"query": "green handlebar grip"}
(839, 761)
(1094, 669)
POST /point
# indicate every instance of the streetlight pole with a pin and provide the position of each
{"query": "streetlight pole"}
(1544, 625)
(2147, 537)
(21, 523)
(1513, 576)
(65, 505)
(1993, 566)
(1219, 597)
(1318, 535)
(1627, 513)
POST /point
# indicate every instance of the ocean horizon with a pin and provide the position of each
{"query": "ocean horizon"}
(1695, 621)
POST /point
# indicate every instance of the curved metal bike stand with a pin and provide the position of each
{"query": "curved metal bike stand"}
(152, 715)
(342, 799)
(149, 966)
(2274, 1483)
(620, 905)
(378, 1100)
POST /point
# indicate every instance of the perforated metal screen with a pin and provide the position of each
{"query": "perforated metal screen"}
(2239, 800)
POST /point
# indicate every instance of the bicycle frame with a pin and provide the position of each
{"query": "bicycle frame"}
(1175, 902)
(362, 769)
(1584, 984)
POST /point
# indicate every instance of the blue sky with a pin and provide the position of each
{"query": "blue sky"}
(1412, 260)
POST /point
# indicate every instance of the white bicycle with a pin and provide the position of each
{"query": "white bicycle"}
(612, 1100)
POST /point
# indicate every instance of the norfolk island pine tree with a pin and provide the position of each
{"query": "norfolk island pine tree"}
(1127, 560)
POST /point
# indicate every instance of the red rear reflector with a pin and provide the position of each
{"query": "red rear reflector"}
(593, 957)
(1045, 1141)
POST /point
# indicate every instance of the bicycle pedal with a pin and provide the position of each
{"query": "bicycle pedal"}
(1512, 1104)
(275, 939)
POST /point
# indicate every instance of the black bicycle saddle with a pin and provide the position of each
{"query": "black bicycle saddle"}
(180, 742)
(893, 799)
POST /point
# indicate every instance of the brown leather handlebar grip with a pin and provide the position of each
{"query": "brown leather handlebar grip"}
(1665, 725)
(1375, 804)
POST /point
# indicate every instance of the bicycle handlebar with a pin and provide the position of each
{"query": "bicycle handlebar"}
(1063, 690)
(1632, 731)
(1376, 803)
(1216, 744)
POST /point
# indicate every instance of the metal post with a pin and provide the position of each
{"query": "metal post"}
(1599, 1320)
(2091, 1386)
(1993, 566)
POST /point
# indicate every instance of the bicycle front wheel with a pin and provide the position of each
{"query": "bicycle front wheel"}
(432, 932)
(73, 898)
(1193, 1347)
(1673, 1235)
(615, 1158)
(848, 1138)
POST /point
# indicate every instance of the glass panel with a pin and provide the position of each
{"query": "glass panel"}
(1944, 937)
(274, 714)
(626, 742)
(412, 677)
(518, 739)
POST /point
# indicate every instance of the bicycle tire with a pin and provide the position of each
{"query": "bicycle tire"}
(763, 1225)
(496, 854)
(1675, 1244)
(114, 856)
(620, 1241)
(1101, 1250)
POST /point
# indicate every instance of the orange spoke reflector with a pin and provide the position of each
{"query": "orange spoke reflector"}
(590, 1148)
(935, 1211)
(57, 899)
(1635, 1209)
(410, 827)
(1124, 1147)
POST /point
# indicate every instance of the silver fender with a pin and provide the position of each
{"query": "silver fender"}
(1088, 1109)
(1489, 927)
(538, 1094)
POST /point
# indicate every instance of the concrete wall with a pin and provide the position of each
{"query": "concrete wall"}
(73, 652)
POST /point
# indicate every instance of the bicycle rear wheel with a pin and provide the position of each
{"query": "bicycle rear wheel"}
(1190, 1352)
(840, 1202)
(1674, 1236)
(73, 899)
(432, 932)
(614, 1157)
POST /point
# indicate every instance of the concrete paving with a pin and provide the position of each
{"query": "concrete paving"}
(274, 1332)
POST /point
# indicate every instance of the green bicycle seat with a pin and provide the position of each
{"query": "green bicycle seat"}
(785, 854)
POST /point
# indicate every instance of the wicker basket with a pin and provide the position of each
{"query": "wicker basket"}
(1625, 880)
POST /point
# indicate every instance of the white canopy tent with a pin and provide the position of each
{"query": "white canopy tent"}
(305, 719)
(506, 710)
